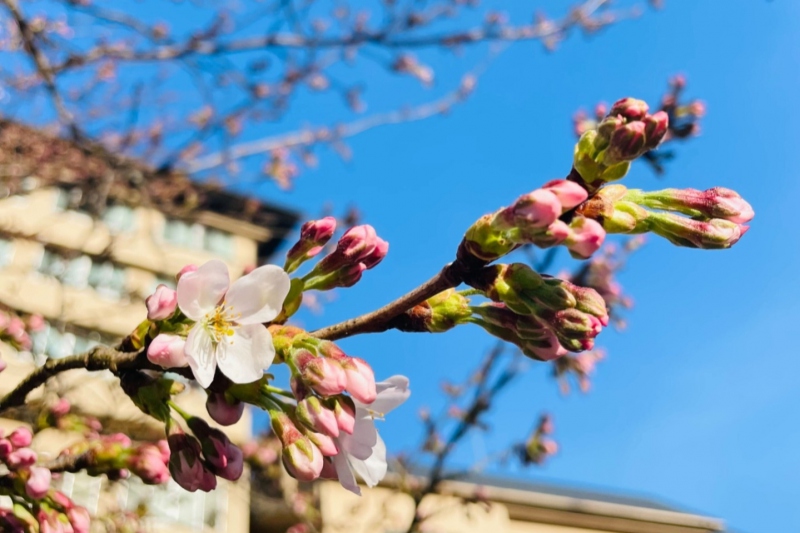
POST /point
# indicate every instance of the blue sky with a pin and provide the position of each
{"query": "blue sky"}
(695, 404)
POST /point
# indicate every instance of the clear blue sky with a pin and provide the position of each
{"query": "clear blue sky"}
(695, 404)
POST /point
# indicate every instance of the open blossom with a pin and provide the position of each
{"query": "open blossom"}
(364, 452)
(228, 332)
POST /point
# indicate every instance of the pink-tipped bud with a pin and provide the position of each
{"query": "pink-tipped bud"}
(655, 128)
(302, 459)
(537, 209)
(630, 108)
(162, 303)
(377, 254)
(21, 437)
(569, 193)
(727, 204)
(586, 237)
(61, 407)
(325, 443)
(186, 270)
(21, 458)
(627, 143)
(324, 375)
(222, 412)
(79, 519)
(167, 351)
(38, 483)
(345, 412)
(316, 416)
(313, 236)
(224, 457)
(360, 379)
(357, 243)
(150, 465)
(186, 465)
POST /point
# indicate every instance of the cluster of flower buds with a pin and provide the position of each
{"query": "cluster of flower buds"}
(314, 235)
(536, 218)
(581, 366)
(718, 215)
(537, 309)
(117, 457)
(58, 415)
(539, 445)
(15, 331)
(627, 132)
(359, 249)
(195, 461)
(38, 507)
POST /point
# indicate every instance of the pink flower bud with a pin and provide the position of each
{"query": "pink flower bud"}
(627, 143)
(728, 205)
(148, 463)
(630, 108)
(655, 128)
(167, 351)
(61, 407)
(38, 483)
(357, 243)
(5, 448)
(550, 447)
(21, 458)
(377, 254)
(36, 323)
(345, 414)
(586, 238)
(224, 458)
(360, 379)
(317, 417)
(302, 459)
(326, 444)
(186, 270)
(319, 231)
(79, 519)
(324, 375)
(162, 303)
(569, 193)
(185, 463)
(222, 412)
(21, 437)
(537, 209)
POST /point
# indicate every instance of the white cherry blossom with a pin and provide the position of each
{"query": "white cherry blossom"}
(228, 331)
(364, 452)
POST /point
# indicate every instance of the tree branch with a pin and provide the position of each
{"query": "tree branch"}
(98, 358)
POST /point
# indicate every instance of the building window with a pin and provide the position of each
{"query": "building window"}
(107, 279)
(52, 343)
(198, 237)
(120, 219)
(6, 252)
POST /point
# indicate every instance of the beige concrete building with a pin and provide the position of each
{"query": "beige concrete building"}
(87, 271)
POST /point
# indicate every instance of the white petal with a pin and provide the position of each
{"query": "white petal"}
(373, 469)
(200, 291)
(345, 474)
(359, 445)
(391, 393)
(199, 350)
(258, 297)
(245, 355)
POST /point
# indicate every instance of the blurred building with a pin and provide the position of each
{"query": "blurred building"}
(84, 251)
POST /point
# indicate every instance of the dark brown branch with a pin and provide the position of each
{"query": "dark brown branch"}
(98, 358)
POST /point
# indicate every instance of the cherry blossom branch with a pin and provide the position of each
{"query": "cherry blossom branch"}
(380, 320)
(98, 358)
(310, 136)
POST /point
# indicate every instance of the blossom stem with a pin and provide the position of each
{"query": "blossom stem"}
(177, 409)
(269, 389)
(381, 320)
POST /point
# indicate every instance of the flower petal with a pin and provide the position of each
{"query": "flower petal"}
(391, 393)
(372, 469)
(200, 291)
(199, 350)
(258, 297)
(245, 355)
(359, 445)
(345, 473)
